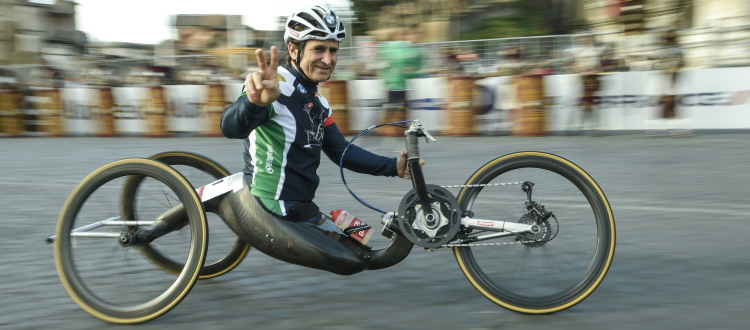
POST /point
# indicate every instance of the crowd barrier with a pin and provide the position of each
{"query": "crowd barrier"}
(530, 116)
(11, 117)
(337, 94)
(460, 106)
(527, 105)
(211, 112)
(103, 112)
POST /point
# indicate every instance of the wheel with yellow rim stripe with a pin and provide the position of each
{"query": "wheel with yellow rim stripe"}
(96, 246)
(227, 250)
(551, 271)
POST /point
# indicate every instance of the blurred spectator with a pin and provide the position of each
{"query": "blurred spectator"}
(47, 77)
(670, 61)
(586, 61)
(8, 80)
(451, 63)
(511, 61)
(402, 60)
(99, 75)
(470, 64)
(610, 62)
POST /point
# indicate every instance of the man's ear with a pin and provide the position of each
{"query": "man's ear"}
(293, 50)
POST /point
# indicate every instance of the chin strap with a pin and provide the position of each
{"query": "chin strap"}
(301, 47)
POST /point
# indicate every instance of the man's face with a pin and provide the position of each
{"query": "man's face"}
(318, 59)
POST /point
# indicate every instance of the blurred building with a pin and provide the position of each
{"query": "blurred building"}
(441, 20)
(39, 32)
(714, 32)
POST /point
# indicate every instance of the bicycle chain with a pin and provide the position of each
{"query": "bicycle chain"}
(499, 184)
(483, 185)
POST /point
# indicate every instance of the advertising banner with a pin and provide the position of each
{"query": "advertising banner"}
(712, 99)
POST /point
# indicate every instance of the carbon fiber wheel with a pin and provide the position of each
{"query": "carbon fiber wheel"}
(99, 265)
(540, 277)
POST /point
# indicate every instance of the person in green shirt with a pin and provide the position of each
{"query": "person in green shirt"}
(402, 60)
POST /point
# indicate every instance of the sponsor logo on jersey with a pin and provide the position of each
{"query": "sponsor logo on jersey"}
(280, 77)
(308, 106)
(302, 89)
(269, 158)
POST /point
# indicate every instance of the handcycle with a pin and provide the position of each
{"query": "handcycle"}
(531, 231)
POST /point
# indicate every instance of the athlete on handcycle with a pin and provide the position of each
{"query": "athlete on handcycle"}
(286, 124)
(531, 231)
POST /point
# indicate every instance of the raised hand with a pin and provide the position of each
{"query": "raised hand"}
(262, 86)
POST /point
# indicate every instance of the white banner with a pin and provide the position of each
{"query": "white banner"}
(77, 103)
(128, 103)
(628, 101)
(366, 98)
(718, 98)
(426, 100)
(184, 105)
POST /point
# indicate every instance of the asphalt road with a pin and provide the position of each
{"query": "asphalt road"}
(681, 206)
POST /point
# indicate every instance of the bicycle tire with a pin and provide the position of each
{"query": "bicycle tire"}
(212, 268)
(568, 272)
(111, 291)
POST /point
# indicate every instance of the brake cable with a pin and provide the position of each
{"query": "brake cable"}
(351, 142)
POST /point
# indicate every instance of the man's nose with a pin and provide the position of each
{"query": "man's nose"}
(328, 58)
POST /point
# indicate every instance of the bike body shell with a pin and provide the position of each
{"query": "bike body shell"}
(302, 243)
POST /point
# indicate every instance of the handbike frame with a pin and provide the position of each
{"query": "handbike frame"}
(501, 228)
(171, 219)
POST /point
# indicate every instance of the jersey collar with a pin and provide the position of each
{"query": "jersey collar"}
(309, 84)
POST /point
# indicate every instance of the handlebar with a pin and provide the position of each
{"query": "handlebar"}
(415, 131)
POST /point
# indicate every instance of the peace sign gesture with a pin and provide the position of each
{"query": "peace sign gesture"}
(262, 86)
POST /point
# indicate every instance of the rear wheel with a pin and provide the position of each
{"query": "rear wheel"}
(546, 272)
(226, 252)
(97, 260)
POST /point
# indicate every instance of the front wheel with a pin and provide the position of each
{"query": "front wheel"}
(96, 250)
(549, 272)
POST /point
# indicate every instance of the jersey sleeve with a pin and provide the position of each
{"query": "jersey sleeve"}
(242, 117)
(357, 159)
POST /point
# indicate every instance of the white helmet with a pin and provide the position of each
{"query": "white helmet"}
(315, 23)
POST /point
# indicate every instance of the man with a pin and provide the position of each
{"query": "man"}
(671, 61)
(286, 124)
(402, 60)
(586, 62)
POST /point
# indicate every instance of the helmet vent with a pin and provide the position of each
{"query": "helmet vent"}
(307, 17)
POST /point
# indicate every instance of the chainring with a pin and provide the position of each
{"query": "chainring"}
(444, 205)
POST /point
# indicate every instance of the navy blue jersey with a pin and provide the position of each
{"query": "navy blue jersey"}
(283, 141)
